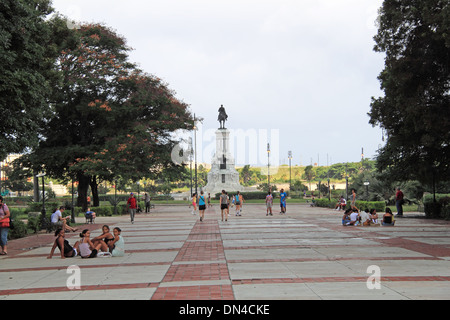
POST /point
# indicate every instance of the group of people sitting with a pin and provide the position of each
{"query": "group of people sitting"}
(106, 244)
(352, 217)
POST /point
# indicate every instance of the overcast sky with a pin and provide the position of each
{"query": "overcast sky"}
(299, 74)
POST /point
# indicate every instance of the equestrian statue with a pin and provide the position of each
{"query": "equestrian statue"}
(222, 117)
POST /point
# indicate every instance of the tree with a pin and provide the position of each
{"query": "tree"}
(110, 119)
(416, 84)
(26, 59)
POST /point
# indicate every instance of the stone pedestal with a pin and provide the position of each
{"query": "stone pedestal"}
(223, 175)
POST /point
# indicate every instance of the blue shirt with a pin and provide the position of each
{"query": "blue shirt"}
(283, 197)
(201, 200)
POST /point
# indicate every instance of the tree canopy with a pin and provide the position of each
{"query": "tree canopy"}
(27, 55)
(109, 118)
(414, 111)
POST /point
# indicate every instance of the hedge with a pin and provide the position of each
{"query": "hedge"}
(380, 206)
(439, 209)
(260, 195)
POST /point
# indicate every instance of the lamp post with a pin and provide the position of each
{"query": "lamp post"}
(43, 192)
(43, 198)
(290, 170)
(268, 166)
(115, 196)
(139, 191)
(195, 150)
(72, 215)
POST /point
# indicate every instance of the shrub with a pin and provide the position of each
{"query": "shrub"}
(19, 230)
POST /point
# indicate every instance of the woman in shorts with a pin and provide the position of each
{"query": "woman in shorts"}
(201, 206)
(224, 204)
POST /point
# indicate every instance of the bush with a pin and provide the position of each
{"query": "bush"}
(361, 205)
(19, 230)
(439, 209)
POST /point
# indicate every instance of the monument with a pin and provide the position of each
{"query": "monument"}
(223, 174)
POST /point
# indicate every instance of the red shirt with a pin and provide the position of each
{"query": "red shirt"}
(132, 203)
(399, 195)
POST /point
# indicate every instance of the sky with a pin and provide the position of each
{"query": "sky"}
(297, 74)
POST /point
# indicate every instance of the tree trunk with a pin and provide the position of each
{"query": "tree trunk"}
(83, 186)
(94, 190)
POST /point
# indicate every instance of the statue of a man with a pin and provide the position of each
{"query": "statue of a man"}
(222, 117)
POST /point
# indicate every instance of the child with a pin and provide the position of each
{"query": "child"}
(86, 247)
(118, 244)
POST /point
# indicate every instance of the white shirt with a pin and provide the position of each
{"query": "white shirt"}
(55, 216)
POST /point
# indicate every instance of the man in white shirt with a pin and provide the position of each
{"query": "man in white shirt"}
(56, 218)
(354, 218)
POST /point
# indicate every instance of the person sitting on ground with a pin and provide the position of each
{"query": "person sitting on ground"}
(85, 246)
(388, 218)
(374, 216)
(365, 218)
(105, 239)
(355, 218)
(118, 244)
(346, 217)
(57, 219)
(67, 251)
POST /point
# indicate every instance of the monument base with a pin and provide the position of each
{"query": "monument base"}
(223, 174)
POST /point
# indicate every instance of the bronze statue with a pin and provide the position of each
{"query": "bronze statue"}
(222, 117)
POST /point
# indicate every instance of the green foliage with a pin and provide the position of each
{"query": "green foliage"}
(439, 208)
(26, 67)
(414, 109)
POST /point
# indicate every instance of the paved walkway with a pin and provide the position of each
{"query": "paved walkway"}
(305, 254)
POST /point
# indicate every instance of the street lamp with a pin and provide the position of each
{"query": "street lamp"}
(268, 166)
(290, 170)
(138, 207)
(43, 197)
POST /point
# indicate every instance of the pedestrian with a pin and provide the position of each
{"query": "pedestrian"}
(283, 197)
(201, 206)
(399, 202)
(353, 203)
(132, 206)
(241, 199)
(209, 200)
(269, 203)
(237, 203)
(4, 226)
(147, 202)
(194, 203)
(224, 205)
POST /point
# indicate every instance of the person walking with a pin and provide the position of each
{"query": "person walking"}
(132, 206)
(224, 205)
(237, 203)
(201, 206)
(194, 203)
(283, 197)
(4, 226)
(269, 203)
(399, 202)
(353, 203)
(147, 202)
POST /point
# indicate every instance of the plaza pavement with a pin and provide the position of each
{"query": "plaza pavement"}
(305, 254)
